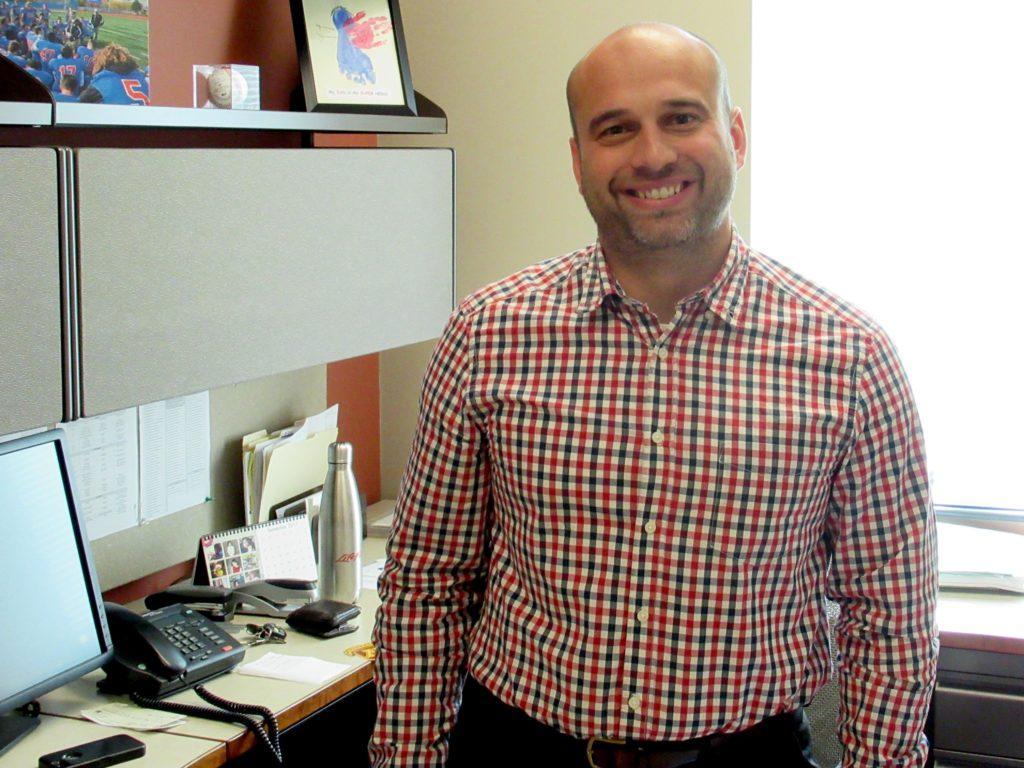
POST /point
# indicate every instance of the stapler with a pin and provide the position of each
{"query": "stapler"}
(218, 603)
(275, 597)
(271, 597)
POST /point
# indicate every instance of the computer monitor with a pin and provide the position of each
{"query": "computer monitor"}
(50, 603)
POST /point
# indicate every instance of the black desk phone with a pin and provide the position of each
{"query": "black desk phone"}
(174, 648)
(165, 651)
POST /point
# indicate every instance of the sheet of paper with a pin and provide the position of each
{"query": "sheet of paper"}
(174, 439)
(371, 572)
(105, 466)
(317, 423)
(300, 669)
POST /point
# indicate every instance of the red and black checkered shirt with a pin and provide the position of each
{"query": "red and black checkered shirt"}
(627, 529)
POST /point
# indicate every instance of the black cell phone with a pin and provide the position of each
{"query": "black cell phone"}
(96, 754)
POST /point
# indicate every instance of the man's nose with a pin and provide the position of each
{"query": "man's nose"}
(652, 153)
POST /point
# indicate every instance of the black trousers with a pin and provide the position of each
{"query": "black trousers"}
(490, 733)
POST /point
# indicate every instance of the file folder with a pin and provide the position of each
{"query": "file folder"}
(293, 469)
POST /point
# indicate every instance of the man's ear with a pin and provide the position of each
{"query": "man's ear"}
(574, 148)
(738, 134)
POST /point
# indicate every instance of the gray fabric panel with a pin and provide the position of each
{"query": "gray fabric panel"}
(201, 268)
(30, 354)
(823, 712)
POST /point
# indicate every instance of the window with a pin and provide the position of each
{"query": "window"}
(886, 165)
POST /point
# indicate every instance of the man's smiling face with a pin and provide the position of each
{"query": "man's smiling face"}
(654, 155)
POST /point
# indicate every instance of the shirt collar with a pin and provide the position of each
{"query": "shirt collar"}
(597, 282)
(725, 293)
(721, 296)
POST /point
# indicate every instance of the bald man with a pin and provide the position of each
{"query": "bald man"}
(639, 470)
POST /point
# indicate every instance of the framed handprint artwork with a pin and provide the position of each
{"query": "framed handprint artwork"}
(352, 56)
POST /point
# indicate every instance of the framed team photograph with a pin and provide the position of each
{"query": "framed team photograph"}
(352, 56)
(88, 51)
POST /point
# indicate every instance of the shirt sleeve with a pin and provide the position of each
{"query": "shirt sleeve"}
(884, 573)
(436, 559)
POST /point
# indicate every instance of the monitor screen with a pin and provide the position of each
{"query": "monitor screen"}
(50, 599)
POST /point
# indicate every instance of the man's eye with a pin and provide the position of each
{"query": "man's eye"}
(683, 119)
(614, 130)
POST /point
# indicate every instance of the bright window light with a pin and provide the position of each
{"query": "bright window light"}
(886, 165)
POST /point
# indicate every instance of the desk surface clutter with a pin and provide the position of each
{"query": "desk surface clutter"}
(206, 743)
(982, 622)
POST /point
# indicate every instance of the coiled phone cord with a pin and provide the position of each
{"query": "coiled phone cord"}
(230, 712)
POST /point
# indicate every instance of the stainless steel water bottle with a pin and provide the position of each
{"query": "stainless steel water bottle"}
(340, 528)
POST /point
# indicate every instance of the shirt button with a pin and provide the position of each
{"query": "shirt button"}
(633, 702)
(662, 354)
(709, 315)
(643, 615)
(657, 437)
(650, 526)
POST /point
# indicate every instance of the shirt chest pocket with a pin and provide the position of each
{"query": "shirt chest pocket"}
(769, 496)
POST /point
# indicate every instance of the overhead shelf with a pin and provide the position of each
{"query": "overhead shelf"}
(25, 113)
(430, 118)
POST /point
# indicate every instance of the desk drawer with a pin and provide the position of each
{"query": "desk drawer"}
(981, 723)
(947, 759)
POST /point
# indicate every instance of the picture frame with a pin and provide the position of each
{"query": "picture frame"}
(352, 56)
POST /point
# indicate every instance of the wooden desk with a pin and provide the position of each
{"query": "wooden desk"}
(978, 705)
(202, 743)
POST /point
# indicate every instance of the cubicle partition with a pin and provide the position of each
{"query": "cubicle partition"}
(31, 383)
(191, 269)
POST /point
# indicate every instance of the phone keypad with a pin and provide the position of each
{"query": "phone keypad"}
(195, 638)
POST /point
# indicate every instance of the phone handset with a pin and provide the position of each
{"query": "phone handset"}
(165, 651)
(141, 645)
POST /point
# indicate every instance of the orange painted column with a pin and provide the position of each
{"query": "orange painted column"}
(355, 384)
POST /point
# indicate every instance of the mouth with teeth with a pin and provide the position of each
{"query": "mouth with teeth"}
(660, 194)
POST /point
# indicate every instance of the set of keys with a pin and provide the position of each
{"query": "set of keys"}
(265, 633)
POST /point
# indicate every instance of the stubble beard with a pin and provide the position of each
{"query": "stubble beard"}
(628, 233)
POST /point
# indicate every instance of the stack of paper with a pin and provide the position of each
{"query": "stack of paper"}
(976, 558)
(300, 669)
(286, 464)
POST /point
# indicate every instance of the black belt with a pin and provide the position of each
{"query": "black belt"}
(617, 753)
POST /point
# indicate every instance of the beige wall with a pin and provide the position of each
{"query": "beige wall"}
(235, 410)
(498, 69)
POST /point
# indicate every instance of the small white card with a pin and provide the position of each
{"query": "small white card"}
(299, 669)
(121, 715)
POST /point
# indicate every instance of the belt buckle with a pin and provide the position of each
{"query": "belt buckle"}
(594, 740)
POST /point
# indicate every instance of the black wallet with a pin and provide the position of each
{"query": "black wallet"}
(324, 618)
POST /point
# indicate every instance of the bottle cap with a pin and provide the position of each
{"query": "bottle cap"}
(339, 453)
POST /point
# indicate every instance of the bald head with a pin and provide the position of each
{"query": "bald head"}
(651, 39)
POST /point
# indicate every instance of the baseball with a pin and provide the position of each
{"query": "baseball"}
(225, 86)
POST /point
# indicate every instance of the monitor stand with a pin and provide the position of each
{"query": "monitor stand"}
(14, 725)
